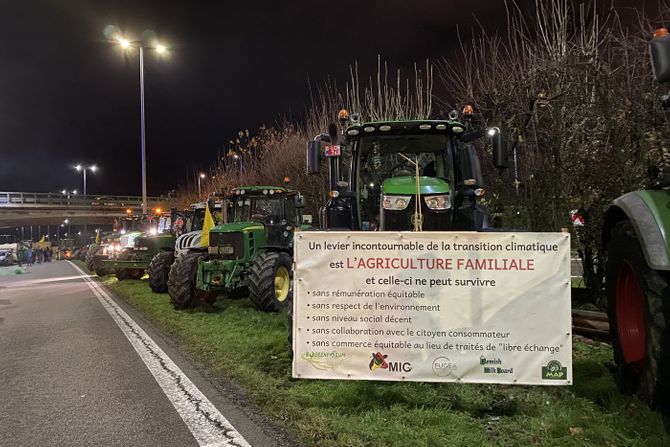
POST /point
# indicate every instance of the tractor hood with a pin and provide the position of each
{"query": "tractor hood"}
(407, 185)
(237, 226)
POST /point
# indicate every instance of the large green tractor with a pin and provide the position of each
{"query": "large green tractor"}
(404, 175)
(251, 254)
(636, 235)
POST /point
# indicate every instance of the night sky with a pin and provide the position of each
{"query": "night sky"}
(68, 95)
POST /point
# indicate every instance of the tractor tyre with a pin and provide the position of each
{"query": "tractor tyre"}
(159, 269)
(181, 281)
(122, 274)
(101, 272)
(270, 281)
(638, 306)
(90, 257)
(136, 273)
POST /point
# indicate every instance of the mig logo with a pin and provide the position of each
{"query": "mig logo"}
(379, 361)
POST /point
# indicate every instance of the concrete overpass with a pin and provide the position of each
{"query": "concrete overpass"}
(28, 208)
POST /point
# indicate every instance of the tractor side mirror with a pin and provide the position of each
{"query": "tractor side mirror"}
(499, 148)
(299, 201)
(660, 57)
(314, 157)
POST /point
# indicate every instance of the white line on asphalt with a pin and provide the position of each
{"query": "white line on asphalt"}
(208, 426)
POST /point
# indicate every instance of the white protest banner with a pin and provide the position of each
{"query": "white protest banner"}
(429, 306)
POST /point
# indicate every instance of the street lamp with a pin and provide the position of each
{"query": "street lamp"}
(239, 159)
(160, 49)
(83, 169)
(200, 177)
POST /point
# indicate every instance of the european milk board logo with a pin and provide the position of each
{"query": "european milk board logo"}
(379, 361)
(554, 371)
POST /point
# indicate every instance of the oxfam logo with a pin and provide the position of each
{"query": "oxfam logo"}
(443, 367)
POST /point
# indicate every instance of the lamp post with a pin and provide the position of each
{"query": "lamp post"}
(81, 168)
(239, 159)
(160, 49)
(200, 177)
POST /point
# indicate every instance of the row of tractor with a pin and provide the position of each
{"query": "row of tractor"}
(420, 175)
(236, 244)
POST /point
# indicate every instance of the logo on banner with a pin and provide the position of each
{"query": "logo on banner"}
(379, 361)
(443, 367)
(554, 371)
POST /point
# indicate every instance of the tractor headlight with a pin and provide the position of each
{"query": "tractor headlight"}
(438, 202)
(395, 203)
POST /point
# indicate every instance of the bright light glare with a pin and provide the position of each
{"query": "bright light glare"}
(93, 168)
(202, 175)
(74, 191)
(492, 131)
(124, 43)
(63, 192)
(161, 49)
(78, 167)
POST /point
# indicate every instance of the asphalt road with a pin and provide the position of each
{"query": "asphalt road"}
(70, 376)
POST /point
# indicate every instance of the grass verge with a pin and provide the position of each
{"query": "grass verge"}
(250, 347)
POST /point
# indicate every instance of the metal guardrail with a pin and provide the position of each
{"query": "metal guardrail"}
(12, 199)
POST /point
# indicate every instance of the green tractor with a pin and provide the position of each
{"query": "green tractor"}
(404, 175)
(186, 230)
(250, 255)
(636, 235)
(140, 237)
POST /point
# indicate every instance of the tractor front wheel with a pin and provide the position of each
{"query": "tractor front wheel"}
(181, 281)
(159, 270)
(270, 286)
(638, 320)
(122, 274)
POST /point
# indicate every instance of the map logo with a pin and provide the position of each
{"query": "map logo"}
(554, 371)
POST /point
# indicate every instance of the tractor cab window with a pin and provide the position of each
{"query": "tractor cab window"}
(258, 209)
(379, 159)
(196, 221)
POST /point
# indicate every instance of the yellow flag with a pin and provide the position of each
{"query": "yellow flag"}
(97, 237)
(206, 226)
(42, 240)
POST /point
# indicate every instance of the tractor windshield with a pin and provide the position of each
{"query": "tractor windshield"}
(265, 209)
(378, 158)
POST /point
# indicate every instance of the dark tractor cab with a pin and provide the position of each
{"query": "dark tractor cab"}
(405, 175)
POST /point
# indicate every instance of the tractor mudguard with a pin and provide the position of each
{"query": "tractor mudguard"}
(649, 213)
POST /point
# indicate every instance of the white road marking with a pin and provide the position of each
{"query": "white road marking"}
(208, 426)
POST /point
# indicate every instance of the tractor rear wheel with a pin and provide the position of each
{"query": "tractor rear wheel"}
(181, 281)
(270, 287)
(90, 257)
(638, 320)
(159, 269)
